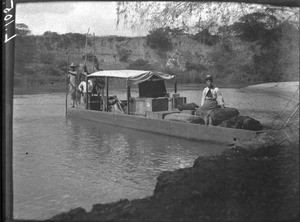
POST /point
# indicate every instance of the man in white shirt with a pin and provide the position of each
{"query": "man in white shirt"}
(82, 87)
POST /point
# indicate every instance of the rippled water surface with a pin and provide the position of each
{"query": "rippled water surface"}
(59, 165)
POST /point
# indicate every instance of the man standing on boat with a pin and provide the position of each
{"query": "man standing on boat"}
(72, 76)
(211, 99)
(82, 87)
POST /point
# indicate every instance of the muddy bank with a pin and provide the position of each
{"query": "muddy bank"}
(258, 180)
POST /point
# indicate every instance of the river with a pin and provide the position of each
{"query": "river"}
(61, 164)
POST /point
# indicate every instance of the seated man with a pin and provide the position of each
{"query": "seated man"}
(211, 100)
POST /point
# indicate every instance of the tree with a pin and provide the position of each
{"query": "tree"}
(140, 64)
(22, 29)
(159, 39)
(205, 37)
(195, 16)
(25, 52)
(50, 39)
(73, 40)
(124, 54)
(253, 27)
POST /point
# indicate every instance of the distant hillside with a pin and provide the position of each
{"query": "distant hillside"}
(274, 57)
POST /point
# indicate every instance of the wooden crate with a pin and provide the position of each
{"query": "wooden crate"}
(94, 103)
(139, 106)
(178, 101)
(157, 104)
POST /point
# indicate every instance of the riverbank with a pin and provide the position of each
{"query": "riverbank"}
(268, 111)
(244, 183)
(288, 90)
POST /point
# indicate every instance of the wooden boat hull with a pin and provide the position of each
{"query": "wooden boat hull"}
(166, 127)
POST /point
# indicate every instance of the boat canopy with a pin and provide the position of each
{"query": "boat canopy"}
(136, 76)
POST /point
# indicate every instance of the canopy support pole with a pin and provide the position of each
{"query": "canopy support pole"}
(128, 98)
(87, 94)
(106, 94)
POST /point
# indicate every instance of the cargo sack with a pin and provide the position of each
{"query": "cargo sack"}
(190, 112)
(188, 106)
(242, 122)
(219, 115)
(180, 117)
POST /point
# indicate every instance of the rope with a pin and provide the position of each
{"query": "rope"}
(273, 122)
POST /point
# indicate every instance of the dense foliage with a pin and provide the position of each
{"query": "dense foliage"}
(263, 50)
(159, 39)
(44, 59)
(258, 47)
(140, 64)
(195, 16)
(206, 38)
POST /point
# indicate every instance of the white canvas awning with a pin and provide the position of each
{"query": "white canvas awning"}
(136, 76)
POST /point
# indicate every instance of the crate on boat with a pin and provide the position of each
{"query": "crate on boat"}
(157, 104)
(178, 101)
(94, 103)
(139, 106)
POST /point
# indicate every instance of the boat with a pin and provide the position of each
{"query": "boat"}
(148, 111)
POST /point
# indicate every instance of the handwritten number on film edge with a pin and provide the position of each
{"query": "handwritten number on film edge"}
(8, 21)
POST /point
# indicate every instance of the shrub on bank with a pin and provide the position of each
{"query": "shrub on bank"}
(140, 64)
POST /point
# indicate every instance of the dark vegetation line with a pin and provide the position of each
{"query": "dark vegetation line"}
(257, 48)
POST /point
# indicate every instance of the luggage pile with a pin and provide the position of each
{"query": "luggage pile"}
(188, 108)
(242, 122)
(228, 117)
(219, 115)
(187, 118)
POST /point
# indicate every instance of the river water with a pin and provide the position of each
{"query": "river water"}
(61, 164)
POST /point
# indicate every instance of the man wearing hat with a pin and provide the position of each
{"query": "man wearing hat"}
(72, 75)
(211, 99)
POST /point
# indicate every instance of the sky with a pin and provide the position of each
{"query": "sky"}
(76, 17)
